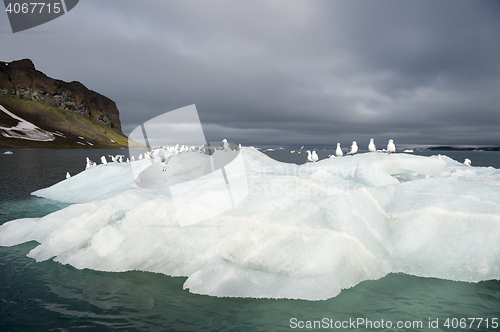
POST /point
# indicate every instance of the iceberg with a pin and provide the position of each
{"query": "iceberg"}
(292, 231)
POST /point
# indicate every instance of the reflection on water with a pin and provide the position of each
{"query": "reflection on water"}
(55, 295)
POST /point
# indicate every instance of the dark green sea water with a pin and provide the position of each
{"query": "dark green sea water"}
(48, 296)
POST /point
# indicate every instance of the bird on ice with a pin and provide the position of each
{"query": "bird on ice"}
(90, 164)
(313, 157)
(467, 162)
(353, 149)
(371, 146)
(391, 147)
(339, 152)
(103, 160)
(68, 175)
(225, 144)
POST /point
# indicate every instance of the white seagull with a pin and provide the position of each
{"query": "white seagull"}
(339, 152)
(353, 149)
(103, 160)
(315, 156)
(391, 147)
(68, 175)
(89, 164)
(467, 162)
(371, 146)
(312, 157)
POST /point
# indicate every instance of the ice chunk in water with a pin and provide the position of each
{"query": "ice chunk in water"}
(304, 232)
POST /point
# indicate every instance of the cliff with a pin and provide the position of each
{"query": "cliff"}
(20, 79)
(37, 111)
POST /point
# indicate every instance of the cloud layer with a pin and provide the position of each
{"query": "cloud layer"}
(286, 72)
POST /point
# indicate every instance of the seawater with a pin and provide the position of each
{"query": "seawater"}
(48, 296)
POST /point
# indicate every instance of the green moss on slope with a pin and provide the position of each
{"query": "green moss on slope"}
(71, 124)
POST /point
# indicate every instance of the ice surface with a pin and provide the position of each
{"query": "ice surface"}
(304, 232)
(91, 184)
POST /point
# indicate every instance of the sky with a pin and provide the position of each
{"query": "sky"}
(285, 72)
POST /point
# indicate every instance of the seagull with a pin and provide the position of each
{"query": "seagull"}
(339, 152)
(315, 157)
(309, 156)
(103, 160)
(391, 148)
(161, 154)
(312, 157)
(68, 175)
(297, 152)
(467, 162)
(225, 144)
(89, 164)
(371, 146)
(353, 149)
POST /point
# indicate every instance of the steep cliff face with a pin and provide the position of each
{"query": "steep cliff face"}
(20, 79)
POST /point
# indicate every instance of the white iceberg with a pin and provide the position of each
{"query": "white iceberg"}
(301, 232)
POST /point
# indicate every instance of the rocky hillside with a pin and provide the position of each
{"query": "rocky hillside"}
(20, 79)
(26, 123)
(39, 111)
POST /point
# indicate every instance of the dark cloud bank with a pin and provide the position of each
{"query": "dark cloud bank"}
(286, 72)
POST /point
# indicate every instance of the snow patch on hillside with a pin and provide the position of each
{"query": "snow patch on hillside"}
(25, 130)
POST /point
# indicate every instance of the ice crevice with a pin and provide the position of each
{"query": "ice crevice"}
(301, 232)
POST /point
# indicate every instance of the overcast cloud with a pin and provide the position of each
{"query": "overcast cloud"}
(285, 72)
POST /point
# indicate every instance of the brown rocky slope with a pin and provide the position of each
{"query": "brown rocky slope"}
(54, 105)
(20, 79)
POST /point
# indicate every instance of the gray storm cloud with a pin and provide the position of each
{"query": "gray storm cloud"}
(286, 72)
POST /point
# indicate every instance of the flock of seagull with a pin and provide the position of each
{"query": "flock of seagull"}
(161, 152)
(178, 149)
(353, 149)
